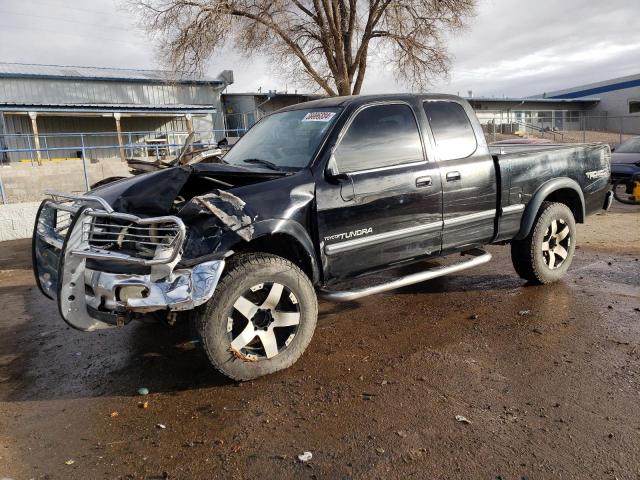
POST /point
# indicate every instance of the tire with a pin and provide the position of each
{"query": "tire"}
(620, 192)
(538, 257)
(244, 348)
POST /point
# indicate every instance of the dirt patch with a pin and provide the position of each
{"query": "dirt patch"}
(548, 377)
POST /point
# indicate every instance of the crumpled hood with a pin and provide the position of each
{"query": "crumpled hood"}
(154, 193)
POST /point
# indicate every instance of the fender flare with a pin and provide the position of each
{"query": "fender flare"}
(546, 189)
(296, 231)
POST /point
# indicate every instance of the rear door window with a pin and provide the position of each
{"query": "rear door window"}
(380, 136)
(451, 129)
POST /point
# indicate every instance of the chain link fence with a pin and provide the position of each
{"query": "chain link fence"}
(73, 162)
(558, 126)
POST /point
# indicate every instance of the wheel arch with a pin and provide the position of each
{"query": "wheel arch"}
(561, 190)
(287, 239)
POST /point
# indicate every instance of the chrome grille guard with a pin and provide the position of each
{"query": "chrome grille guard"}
(70, 229)
(104, 232)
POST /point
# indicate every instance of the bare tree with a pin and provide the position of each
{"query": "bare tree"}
(325, 41)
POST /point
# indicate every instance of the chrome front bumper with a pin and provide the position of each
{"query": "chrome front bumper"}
(90, 299)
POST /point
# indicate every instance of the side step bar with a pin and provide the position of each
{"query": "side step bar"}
(479, 257)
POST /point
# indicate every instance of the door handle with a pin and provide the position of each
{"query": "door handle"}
(422, 182)
(453, 176)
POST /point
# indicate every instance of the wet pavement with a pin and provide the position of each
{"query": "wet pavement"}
(547, 376)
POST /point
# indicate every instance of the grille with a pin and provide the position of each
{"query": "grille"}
(137, 238)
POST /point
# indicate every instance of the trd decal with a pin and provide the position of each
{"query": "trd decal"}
(597, 174)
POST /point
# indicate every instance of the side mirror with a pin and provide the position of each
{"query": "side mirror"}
(332, 172)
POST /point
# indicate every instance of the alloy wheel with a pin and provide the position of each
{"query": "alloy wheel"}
(556, 243)
(263, 321)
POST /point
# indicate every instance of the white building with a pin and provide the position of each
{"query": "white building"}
(618, 105)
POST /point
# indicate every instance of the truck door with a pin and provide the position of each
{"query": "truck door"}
(381, 204)
(468, 176)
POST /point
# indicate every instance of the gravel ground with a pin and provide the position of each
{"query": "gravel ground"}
(548, 378)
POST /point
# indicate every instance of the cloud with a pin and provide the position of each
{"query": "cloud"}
(510, 48)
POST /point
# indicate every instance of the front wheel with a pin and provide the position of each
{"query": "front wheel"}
(260, 319)
(545, 254)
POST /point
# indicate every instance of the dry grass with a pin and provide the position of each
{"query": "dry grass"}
(589, 136)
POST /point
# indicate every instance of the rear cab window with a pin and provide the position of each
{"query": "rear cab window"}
(451, 128)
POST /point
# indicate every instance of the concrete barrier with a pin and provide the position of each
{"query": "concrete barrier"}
(17, 219)
(27, 183)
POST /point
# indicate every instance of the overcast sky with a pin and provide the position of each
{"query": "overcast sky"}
(512, 48)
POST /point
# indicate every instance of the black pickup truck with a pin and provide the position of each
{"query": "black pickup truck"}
(311, 197)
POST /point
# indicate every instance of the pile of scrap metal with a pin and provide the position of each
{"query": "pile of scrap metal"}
(188, 155)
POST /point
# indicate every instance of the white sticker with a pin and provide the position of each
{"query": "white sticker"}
(318, 116)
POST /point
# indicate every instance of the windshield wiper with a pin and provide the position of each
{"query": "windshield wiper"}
(260, 161)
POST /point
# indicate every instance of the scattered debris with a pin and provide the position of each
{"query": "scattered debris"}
(401, 434)
(188, 345)
(461, 419)
(380, 450)
(161, 425)
(69, 462)
(384, 382)
(537, 330)
(241, 356)
(475, 316)
(144, 404)
(143, 391)
(522, 313)
(114, 414)
(305, 456)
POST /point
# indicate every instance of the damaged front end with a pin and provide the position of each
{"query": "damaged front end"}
(153, 244)
(105, 268)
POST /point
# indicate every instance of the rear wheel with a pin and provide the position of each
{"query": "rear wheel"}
(260, 319)
(546, 253)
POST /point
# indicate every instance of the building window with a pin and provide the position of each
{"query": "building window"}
(634, 106)
(573, 116)
(544, 117)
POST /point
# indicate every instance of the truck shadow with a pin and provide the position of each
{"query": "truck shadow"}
(42, 358)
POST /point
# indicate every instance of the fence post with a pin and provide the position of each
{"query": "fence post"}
(584, 128)
(84, 164)
(620, 129)
(30, 149)
(46, 147)
(3, 195)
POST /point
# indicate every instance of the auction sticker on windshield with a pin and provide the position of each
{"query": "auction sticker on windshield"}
(318, 116)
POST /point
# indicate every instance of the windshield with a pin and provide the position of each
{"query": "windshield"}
(630, 146)
(283, 141)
